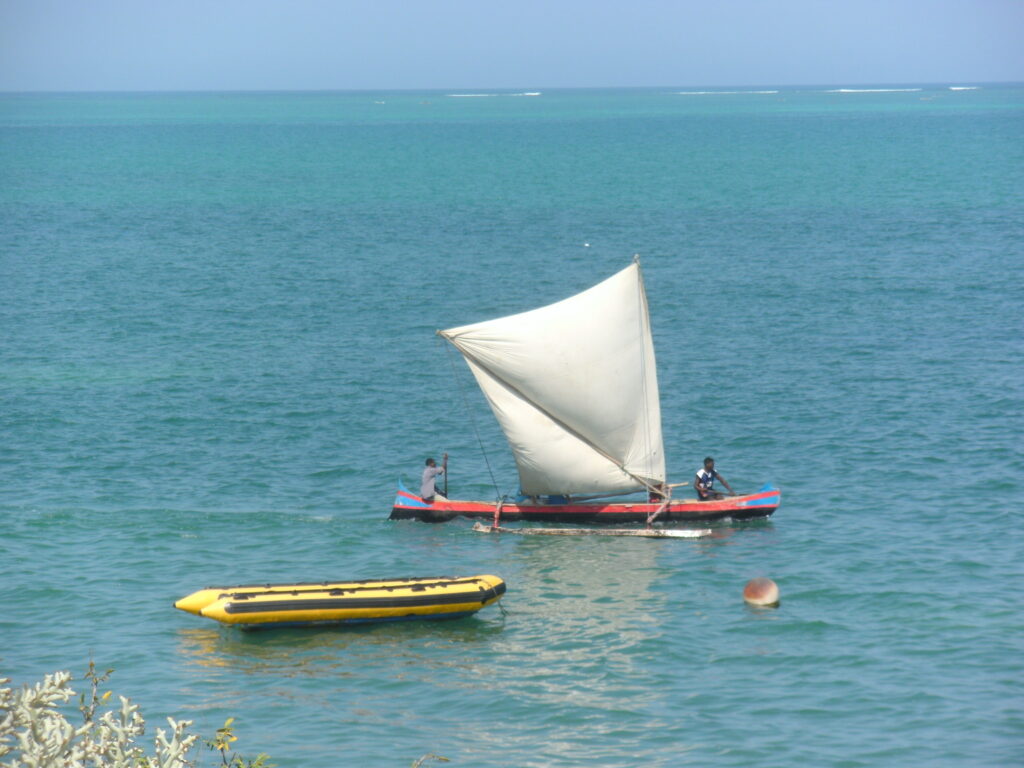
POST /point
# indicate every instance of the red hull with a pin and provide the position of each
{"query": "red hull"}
(761, 504)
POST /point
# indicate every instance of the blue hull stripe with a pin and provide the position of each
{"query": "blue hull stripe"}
(412, 500)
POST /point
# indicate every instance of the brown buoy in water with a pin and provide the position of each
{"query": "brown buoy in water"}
(761, 592)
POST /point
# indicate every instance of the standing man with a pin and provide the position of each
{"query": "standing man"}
(430, 473)
(705, 482)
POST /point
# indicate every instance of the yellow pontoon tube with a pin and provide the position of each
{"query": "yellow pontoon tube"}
(276, 605)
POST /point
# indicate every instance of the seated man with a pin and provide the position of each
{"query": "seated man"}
(430, 473)
(704, 483)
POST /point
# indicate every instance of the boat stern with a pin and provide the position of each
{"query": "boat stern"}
(409, 506)
(406, 498)
(760, 504)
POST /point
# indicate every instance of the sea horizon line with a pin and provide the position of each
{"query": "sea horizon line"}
(539, 90)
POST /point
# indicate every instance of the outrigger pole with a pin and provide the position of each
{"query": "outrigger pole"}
(613, 495)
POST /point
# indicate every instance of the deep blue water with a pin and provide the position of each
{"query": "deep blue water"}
(217, 357)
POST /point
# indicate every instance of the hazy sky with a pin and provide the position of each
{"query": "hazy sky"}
(449, 44)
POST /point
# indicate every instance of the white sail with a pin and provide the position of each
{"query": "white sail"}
(574, 387)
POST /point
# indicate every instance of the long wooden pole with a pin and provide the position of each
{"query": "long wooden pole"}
(613, 495)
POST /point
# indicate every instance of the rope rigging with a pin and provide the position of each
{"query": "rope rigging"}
(472, 419)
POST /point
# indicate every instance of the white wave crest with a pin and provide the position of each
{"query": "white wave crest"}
(720, 93)
(875, 90)
(963, 87)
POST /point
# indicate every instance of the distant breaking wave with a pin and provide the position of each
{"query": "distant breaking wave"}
(719, 93)
(963, 87)
(490, 95)
(875, 90)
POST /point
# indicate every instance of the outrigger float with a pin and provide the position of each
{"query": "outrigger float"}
(574, 388)
(648, 533)
(257, 606)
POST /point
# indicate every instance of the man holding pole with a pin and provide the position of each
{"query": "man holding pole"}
(430, 473)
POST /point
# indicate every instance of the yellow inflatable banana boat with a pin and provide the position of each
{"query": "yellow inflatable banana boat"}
(280, 605)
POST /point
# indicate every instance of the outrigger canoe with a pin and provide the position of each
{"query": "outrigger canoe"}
(409, 506)
(574, 387)
(287, 605)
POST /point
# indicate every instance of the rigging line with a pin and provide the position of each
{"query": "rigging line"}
(472, 420)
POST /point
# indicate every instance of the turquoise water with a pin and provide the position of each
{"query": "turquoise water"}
(217, 357)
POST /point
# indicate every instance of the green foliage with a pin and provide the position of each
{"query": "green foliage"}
(221, 743)
(34, 733)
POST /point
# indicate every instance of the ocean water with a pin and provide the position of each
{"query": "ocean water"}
(217, 357)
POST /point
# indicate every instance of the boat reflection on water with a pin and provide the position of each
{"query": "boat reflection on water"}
(585, 609)
(567, 596)
(343, 651)
(723, 531)
(578, 661)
